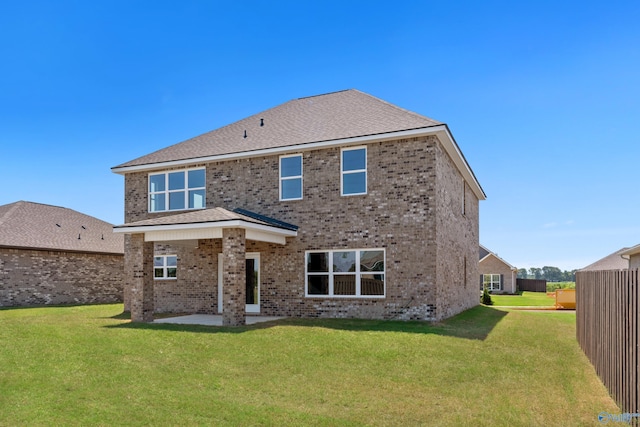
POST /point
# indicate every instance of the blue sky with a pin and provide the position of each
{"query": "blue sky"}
(542, 97)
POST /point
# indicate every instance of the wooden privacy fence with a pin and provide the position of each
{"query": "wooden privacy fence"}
(531, 285)
(607, 330)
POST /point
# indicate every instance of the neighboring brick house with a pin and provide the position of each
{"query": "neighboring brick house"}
(54, 255)
(336, 205)
(496, 274)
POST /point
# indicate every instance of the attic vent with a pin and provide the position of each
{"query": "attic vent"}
(245, 133)
(261, 122)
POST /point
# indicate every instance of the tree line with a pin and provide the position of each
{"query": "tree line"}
(550, 274)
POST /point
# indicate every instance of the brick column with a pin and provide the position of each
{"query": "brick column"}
(233, 276)
(128, 273)
(141, 293)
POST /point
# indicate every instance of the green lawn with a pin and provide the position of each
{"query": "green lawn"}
(531, 299)
(88, 365)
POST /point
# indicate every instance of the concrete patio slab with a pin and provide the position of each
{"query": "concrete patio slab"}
(211, 319)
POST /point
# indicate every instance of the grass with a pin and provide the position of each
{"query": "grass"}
(552, 286)
(527, 299)
(88, 365)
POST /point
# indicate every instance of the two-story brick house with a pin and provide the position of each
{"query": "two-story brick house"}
(337, 205)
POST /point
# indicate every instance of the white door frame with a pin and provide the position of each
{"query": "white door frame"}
(249, 308)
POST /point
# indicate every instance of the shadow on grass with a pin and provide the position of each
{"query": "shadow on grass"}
(475, 323)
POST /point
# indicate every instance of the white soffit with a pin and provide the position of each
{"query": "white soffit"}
(183, 232)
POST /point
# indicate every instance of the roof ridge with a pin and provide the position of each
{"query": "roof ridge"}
(328, 93)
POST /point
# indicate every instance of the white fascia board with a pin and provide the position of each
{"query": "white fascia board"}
(631, 251)
(441, 131)
(238, 223)
(286, 149)
(451, 147)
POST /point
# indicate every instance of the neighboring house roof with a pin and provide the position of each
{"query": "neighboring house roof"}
(484, 253)
(345, 117)
(612, 261)
(31, 225)
(634, 250)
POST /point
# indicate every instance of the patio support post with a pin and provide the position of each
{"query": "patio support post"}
(234, 276)
(141, 296)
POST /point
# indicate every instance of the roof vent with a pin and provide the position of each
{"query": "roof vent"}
(58, 225)
(83, 227)
(261, 122)
(245, 133)
(78, 236)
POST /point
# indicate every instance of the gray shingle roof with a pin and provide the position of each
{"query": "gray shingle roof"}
(613, 261)
(327, 117)
(200, 216)
(38, 226)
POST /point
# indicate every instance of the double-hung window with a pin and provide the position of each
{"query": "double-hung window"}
(345, 273)
(291, 177)
(353, 171)
(165, 267)
(177, 190)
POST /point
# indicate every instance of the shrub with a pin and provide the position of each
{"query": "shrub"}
(486, 297)
(552, 286)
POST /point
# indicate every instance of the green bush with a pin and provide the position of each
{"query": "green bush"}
(552, 286)
(486, 297)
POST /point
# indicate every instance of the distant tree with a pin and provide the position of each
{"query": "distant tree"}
(522, 273)
(536, 273)
(552, 274)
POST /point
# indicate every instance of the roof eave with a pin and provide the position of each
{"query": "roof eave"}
(235, 223)
(440, 130)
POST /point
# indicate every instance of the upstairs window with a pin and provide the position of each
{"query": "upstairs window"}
(353, 171)
(291, 177)
(165, 267)
(177, 190)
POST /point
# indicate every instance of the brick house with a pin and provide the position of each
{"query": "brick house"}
(55, 255)
(336, 205)
(496, 274)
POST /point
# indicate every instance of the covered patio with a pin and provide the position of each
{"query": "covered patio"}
(234, 228)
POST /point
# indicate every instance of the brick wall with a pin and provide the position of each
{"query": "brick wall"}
(30, 277)
(492, 265)
(426, 244)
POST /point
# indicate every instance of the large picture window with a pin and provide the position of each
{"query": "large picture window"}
(345, 273)
(353, 171)
(177, 190)
(165, 267)
(291, 177)
(492, 282)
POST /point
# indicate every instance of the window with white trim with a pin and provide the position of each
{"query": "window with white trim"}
(165, 267)
(345, 273)
(291, 177)
(353, 171)
(177, 190)
(491, 282)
